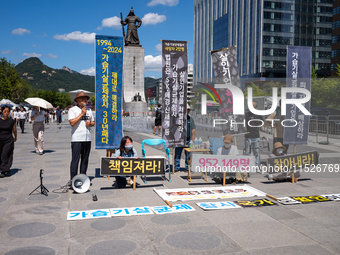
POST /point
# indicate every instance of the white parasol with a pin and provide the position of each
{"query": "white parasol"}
(36, 101)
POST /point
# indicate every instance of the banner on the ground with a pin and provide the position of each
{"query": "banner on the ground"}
(132, 166)
(310, 199)
(299, 64)
(226, 72)
(333, 197)
(174, 209)
(109, 77)
(222, 163)
(127, 211)
(294, 162)
(218, 205)
(174, 92)
(208, 193)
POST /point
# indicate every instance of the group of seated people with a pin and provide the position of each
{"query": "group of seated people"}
(231, 150)
(126, 150)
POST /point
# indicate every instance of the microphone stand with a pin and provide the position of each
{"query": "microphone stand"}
(43, 189)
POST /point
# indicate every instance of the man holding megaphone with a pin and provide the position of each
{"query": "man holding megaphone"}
(81, 120)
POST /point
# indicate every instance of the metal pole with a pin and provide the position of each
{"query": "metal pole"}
(327, 118)
(317, 129)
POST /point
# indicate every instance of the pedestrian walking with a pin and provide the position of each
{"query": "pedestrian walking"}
(158, 120)
(8, 128)
(22, 116)
(39, 116)
(59, 112)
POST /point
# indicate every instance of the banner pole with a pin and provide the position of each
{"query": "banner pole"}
(293, 177)
(173, 160)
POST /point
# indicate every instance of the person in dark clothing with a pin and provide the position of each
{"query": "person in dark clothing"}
(7, 129)
(59, 113)
(191, 132)
(158, 120)
(125, 150)
(252, 137)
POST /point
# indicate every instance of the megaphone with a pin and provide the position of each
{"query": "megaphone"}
(81, 183)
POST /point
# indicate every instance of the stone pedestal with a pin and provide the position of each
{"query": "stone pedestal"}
(133, 79)
(139, 109)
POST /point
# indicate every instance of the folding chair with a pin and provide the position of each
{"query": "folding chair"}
(155, 142)
(215, 144)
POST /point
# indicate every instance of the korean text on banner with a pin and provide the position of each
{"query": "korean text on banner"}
(226, 72)
(109, 72)
(174, 92)
(299, 62)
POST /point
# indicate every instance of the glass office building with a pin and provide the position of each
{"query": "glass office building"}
(261, 30)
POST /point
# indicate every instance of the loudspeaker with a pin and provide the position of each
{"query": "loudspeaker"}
(81, 183)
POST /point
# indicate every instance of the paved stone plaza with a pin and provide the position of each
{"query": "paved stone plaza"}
(37, 224)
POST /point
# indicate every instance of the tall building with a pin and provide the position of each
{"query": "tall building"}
(335, 37)
(261, 30)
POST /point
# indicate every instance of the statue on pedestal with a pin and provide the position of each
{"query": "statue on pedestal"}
(131, 38)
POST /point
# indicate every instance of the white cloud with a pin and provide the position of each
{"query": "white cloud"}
(153, 63)
(91, 71)
(153, 18)
(77, 36)
(10, 52)
(158, 47)
(113, 22)
(51, 55)
(163, 2)
(20, 31)
(29, 55)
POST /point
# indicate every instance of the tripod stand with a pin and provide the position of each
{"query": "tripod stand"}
(43, 189)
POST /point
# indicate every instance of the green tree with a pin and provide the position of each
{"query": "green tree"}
(257, 92)
(93, 99)
(314, 75)
(337, 69)
(11, 85)
(54, 97)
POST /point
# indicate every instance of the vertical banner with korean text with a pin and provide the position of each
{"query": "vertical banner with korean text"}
(299, 64)
(174, 92)
(226, 72)
(109, 72)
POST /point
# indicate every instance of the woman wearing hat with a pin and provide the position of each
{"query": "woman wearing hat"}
(81, 120)
(231, 150)
(279, 150)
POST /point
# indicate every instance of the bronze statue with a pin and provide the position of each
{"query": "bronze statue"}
(131, 37)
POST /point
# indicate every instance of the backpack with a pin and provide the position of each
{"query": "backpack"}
(158, 114)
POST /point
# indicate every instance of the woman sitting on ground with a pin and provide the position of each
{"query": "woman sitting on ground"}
(125, 150)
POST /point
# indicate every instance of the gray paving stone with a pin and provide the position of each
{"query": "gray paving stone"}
(193, 241)
(274, 234)
(30, 230)
(297, 249)
(112, 247)
(108, 224)
(32, 250)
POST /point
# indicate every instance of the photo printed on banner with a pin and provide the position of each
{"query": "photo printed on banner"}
(226, 73)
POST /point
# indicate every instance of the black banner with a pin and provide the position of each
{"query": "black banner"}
(174, 92)
(132, 166)
(226, 72)
(292, 162)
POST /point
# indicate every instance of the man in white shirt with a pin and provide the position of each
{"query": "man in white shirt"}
(22, 115)
(81, 120)
(38, 129)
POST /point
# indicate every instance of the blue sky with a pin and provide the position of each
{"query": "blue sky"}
(61, 33)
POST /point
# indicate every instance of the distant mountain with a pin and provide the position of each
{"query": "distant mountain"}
(41, 76)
